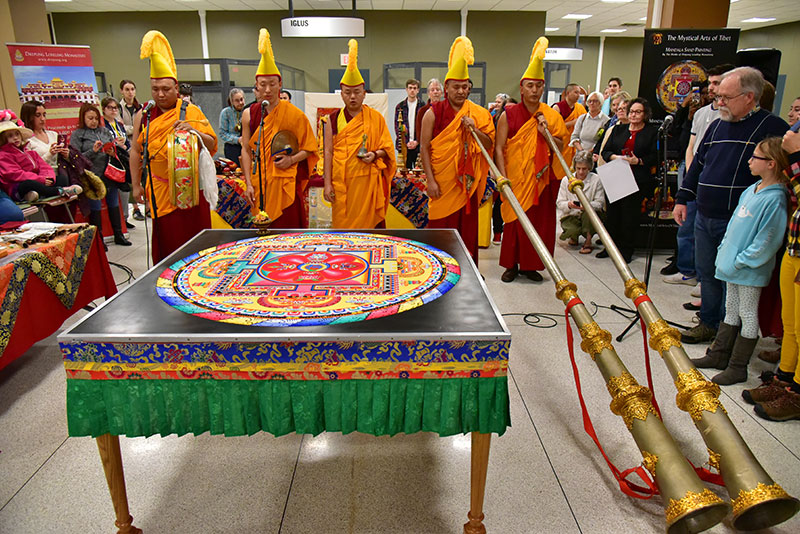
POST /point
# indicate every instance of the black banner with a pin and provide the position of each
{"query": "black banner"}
(674, 59)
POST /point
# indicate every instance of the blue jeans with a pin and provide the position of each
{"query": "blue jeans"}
(112, 198)
(685, 237)
(9, 211)
(708, 234)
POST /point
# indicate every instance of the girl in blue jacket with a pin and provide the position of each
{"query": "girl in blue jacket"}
(745, 260)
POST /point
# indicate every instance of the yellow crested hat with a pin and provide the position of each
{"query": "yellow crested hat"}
(462, 54)
(352, 76)
(535, 70)
(162, 62)
(267, 66)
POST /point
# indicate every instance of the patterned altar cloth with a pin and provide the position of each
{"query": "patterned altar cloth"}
(59, 263)
(409, 196)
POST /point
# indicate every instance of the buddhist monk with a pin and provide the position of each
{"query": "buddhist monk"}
(278, 183)
(456, 170)
(359, 159)
(523, 156)
(179, 213)
(570, 110)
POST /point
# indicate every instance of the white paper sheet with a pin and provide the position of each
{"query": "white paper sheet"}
(617, 179)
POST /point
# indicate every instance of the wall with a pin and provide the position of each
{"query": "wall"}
(622, 57)
(425, 36)
(784, 37)
(21, 21)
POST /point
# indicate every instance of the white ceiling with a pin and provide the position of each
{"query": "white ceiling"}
(604, 15)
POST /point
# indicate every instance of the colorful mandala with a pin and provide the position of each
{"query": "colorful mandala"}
(302, 279)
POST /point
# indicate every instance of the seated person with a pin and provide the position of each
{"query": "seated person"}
(24, 175)
(574, 220)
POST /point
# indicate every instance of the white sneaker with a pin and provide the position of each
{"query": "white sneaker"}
(680, 278)
(31, 196)
(696, 291)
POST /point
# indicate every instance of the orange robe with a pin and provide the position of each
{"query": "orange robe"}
(160, 130)
(450, 162)
(529, 168)
(361, 190)
(280, 184)
(569, 150)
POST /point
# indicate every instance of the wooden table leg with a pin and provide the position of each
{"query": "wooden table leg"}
(480, 465)
(111, 457)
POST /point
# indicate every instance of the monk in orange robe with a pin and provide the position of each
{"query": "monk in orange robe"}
(357, 182)
(523, 155)
(455, 169)
(172, 225)
(570, 109)
(284, 176)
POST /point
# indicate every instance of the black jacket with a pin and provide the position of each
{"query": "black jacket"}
(644, 148)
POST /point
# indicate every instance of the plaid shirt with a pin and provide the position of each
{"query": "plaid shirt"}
(793, 238)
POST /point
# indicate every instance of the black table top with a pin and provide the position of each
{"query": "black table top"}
(138, 314)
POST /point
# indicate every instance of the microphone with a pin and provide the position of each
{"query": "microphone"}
(264, 105)
(666, 124)
(150, 105)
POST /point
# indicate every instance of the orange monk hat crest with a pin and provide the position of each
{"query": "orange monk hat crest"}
(157, 48)
(267, 66)
(352, 76)
(462, 54)
(535, 69)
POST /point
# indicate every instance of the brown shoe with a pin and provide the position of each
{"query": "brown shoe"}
(510, 274)
(702, 333)
(770, 356)
(783, 408)
(770, 389)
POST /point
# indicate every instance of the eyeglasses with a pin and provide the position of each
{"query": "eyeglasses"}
(760, 158)
(112, 107)
(722, 99)
(632, 111)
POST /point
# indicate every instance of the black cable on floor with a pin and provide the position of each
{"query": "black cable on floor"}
(545, 320)
(127, 270)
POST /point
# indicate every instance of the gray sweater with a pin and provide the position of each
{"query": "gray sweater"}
(586, 129)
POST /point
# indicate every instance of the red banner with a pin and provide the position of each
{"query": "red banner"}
(60, 77)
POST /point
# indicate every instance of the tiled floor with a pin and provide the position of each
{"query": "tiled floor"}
(545, 475)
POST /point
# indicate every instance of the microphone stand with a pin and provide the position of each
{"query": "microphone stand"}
(257, 158)
(147, 175)
(651, 237)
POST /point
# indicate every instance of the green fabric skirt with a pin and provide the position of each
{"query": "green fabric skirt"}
(244, 407)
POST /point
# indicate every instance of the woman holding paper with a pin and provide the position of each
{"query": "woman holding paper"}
(634, 143)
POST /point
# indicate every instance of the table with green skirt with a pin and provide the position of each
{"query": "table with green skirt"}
(147, 363)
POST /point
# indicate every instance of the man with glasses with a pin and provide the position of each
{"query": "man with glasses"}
(718, 175)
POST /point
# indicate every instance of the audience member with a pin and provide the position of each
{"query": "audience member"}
(500, 103)
(128, 105)
(230, 125)
(680, 133)
(285, 95)
(619, 105)
(794, 112)
(408, 108)
(497, 107)
(745, 260)
(110, 108)
(44, 142)
(614, 86)
(9, 211)
(716, 178)
(435, 93)
(635, 143)
(778, 398)
(97, 144)
(185, 92)
(574, 220)
(24, 175)
(767, 100)
(584, 136)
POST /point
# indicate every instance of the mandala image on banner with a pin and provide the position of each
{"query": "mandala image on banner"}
(302, 279)
(675, 83)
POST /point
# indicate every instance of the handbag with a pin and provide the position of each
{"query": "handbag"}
(115, 171)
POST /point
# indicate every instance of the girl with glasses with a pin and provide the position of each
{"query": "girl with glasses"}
(746, 259)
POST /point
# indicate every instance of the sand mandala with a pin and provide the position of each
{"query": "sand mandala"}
(302, 279)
